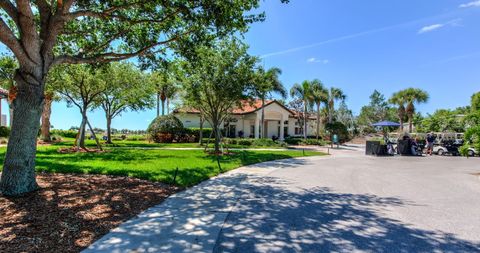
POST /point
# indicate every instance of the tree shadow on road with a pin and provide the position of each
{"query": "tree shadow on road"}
(271, 218)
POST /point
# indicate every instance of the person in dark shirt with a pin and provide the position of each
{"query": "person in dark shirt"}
(430, 141)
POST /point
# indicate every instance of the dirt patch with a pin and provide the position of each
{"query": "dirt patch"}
(70, 212)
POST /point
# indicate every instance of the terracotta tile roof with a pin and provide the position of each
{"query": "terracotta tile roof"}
(247, 107)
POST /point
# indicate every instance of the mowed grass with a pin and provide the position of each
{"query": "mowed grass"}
(193, 166)
(146, 144)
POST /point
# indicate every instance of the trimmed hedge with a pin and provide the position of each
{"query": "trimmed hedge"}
(301, 141)
(195, 132)
(64, 133)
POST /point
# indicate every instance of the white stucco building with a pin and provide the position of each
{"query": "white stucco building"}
(279, 121)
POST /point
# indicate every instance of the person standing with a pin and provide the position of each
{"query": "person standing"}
(430, 141)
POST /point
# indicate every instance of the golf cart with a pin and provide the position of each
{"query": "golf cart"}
(472, 152)
(447, 146)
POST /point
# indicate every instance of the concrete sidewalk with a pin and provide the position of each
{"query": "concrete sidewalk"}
(190, 221)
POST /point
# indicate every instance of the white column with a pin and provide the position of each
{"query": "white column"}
(257, 127)
(282, 127)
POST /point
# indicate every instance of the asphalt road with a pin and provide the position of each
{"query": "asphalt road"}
(351, 202)
(346, 202)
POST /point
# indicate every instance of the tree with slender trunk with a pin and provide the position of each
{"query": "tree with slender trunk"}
(398, 99)
(80, 86)
(319, 97)
(218, 80)
(42, 34)
(303, 92)
(334, 94)
(126, 88)
(266, 83)
(166, 89)
(413, 96)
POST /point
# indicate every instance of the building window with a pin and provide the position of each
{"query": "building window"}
(252, 131)
(298, 130)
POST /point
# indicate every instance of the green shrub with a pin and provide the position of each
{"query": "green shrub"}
(472, 139)
(165, 129)
(231, 141)
(313, 142)
(64, 133)
(339, 129)
(293, 140)
(196, 133)
(136, 138)
(264, 143)
(245, 142)
(4, 131)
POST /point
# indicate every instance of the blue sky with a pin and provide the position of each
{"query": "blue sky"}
(358, 46)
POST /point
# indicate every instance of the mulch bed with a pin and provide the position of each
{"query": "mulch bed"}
(70, 212)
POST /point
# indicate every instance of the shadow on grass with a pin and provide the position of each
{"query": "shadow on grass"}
(153, 165)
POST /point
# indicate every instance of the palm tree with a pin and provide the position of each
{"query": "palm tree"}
(319, 95)
(398, 99)
(334, 94)
(166, 89)
(303, 92)
(268, 82)
(413, 96)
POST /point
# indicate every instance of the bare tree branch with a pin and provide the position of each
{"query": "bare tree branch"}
(10, 9)
(8, 38)
(111, 56)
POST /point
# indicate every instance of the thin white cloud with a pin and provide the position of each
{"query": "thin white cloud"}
(434, 27)
(470, 4)
(430, 28)
(356, 35)
(315, 60)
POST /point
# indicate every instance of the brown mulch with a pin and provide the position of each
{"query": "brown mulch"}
(70, 212)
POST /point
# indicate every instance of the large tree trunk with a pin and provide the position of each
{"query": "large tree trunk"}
(109, 131)
(47, 111)
(18, 176)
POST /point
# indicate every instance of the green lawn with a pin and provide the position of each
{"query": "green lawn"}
(153, 164)
(146, 144)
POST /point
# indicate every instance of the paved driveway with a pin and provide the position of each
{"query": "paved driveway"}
(342, 203)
